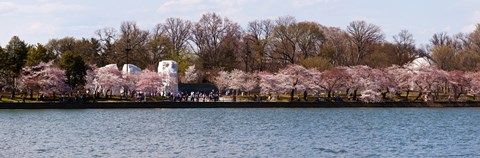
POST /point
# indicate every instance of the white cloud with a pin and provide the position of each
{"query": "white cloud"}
(304, 3)
(475, 19)
(42, 28)
(9, 8)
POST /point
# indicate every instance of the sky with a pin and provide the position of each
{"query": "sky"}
(37, 21)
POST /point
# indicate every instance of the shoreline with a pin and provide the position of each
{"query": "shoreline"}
(173, 105)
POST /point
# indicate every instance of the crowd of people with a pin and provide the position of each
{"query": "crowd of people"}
(195, 96)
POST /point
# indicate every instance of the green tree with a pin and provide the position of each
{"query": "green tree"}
(37, 54)
(89, 50)
(75, 69)
(12, 61)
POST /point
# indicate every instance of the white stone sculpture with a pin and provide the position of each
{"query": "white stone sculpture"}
(130, 69)
(169, 69)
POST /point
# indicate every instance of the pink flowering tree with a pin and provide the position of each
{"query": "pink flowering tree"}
(222, 80)
(191, 75)
(401, 80)
(54, 82)
(294, 78)
(130, 82)
(331, 80)
(474, 78)
(269, 83)
(30, 77)
(91, 84)
(44, 78)
(428, 80)
(383, 82)
(251, 82)
(359, 79)
(149, 82)
(110, 80)
(459, 83)
(237, 79)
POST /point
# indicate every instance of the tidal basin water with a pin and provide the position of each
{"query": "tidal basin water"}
(344, 132)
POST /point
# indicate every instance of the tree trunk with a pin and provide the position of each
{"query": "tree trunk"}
(13, 89)
(419, 95)
(291, 95)
(329, 94)
(31, 94)
(355, 95)
(408, 92)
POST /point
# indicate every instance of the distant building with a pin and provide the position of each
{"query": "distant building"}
(418, 63)
(169, 69)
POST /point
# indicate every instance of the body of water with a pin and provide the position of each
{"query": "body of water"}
(344, 132)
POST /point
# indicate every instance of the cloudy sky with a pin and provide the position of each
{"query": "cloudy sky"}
(37, 21)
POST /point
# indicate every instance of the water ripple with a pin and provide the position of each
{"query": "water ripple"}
(240, 133)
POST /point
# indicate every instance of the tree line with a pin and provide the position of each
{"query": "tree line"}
(215, 43)
(357, 83)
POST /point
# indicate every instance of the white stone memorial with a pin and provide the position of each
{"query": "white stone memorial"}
(169, 69)
(130, 69)
(111, 65)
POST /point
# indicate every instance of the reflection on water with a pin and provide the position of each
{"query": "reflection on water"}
(240, 133)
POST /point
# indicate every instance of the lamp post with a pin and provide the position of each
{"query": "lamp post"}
(127, 49)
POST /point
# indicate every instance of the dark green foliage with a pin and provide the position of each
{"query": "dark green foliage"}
(75, 69)
(37, 54)
(12, 60)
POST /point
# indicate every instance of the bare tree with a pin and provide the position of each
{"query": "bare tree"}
(363, 36)
(178, 31)
(441, 39)
(336, 46)
(214, 38)
(285, 40)
(257, 41)
(405, 50)
(107, 38)
(158, 45)
(310, 38)
(134, 39)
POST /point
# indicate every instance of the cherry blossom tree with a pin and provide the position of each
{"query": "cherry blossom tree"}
(331, 80)
(110, 79)
(91, 80)
(474, 78)
(191, 75)
(54, 81)
(30, 77)
(459, 83)
(370, 96)
(359, 79)
(293, 77)
(237, 79)
(401, 80)
(382, 82)
(222, 80)
(44, 78)
(269, 83)
(149, 82)
(428, 80)
(251, 82)
(130, 82)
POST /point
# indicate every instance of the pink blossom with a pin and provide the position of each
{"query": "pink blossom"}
(149, 82)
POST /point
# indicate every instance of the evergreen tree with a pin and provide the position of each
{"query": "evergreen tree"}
(75, 69)
(12, 61)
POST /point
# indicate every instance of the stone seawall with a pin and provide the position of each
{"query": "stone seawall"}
(120, 105)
